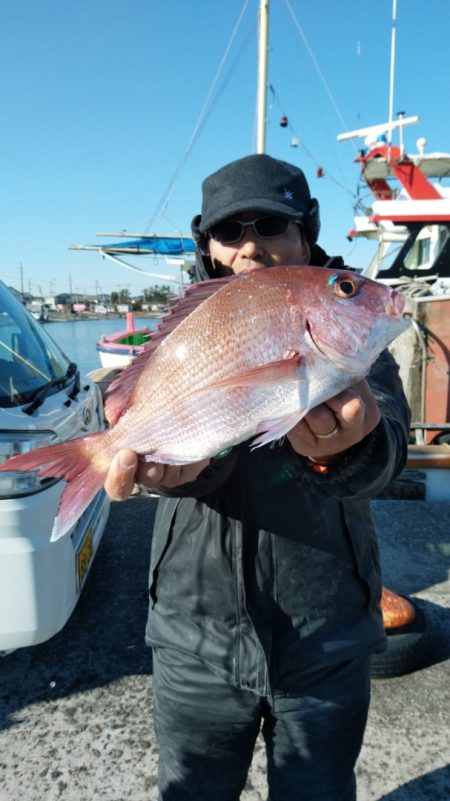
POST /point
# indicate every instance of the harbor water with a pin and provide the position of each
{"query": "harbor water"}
(78, 338)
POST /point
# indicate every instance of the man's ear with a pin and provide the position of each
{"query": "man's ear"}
(312, 221)
(200, 239)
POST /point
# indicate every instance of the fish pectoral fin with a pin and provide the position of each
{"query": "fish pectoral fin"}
(264, 375)
(277, 428)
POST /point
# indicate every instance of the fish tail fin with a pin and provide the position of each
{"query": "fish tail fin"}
(76, 497)
(73, 461)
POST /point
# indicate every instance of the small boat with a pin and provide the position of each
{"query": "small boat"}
(39, 311)
(412, 211)
(119, 349)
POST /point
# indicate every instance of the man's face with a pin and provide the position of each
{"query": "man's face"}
(252, 251)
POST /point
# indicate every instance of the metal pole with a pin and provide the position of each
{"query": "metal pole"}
(392, 72)
(263, 45)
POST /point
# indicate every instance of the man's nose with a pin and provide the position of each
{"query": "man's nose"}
(250, 244)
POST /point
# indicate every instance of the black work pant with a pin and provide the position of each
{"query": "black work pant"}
(206, 730)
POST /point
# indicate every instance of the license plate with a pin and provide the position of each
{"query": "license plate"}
(84, 556)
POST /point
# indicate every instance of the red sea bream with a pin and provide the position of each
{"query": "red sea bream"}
(239, 357)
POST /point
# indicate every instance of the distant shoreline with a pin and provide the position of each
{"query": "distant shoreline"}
(73, 317)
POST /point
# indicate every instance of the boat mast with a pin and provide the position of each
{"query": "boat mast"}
(263, 46)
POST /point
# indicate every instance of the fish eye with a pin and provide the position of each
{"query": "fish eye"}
(345, 288)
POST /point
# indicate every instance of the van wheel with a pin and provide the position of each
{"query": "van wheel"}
(406, 628)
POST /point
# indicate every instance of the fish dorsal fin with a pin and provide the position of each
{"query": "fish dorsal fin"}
(120, 391)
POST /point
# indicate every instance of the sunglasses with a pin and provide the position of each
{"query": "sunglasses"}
(231, 231)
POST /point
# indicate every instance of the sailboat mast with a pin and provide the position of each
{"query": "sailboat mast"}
(263, 46)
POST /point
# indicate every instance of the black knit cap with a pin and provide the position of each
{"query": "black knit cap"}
(258, 183)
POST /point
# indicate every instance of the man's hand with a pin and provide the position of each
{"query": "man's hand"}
(127, 470)
(337, 425)
(351, 415)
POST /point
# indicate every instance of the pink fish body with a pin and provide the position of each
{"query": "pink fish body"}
(246, 355)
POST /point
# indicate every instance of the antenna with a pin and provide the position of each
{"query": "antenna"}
(392, 72)
(373, 131)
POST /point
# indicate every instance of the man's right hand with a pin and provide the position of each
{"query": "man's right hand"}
(127, 470)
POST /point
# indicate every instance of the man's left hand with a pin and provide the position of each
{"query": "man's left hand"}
(335, 426)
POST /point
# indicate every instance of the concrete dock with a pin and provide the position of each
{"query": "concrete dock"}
(76, 712)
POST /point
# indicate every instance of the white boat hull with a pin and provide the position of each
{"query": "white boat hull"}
(111, 359)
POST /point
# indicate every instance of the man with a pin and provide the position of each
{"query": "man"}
(264, 578)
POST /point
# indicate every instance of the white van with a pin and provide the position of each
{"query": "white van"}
(43, 400)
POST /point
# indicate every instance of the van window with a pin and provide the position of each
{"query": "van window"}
(29, 359)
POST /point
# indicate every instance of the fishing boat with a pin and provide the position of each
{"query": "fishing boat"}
(409, 220)
(411, 208)
(120, 348)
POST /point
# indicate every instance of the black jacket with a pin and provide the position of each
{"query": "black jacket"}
(262, 565)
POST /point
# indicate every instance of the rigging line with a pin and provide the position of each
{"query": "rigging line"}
(305, 149)
(165, 198)
(175, 228)
(214, 102)
(316, 64)
(226, 80)
(343, 182)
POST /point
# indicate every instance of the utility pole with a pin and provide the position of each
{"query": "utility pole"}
(21, 278)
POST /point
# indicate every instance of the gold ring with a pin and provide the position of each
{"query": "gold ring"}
(330, 433)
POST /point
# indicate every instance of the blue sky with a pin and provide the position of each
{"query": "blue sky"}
(100, 99)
